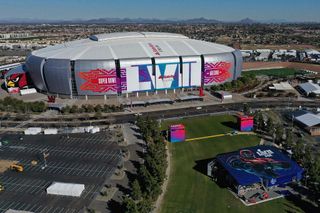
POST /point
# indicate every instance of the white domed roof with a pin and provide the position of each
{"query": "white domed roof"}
(131, 45)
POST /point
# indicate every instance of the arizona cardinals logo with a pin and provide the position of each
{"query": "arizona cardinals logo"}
(18, 80)
(99, 80)
(216, 72)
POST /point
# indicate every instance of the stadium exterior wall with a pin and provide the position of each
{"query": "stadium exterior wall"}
(104, 77)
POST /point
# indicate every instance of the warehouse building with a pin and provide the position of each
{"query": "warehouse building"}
(131, 62)
(309, 121)
(309, 88)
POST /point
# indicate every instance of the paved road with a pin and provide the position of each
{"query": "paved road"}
(193, 111)
(228, 107)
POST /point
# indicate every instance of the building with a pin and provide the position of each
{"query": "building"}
(284, 54)
(14, 35)
(309, 122)
(309, 88)
(282, 86)
(223, 95)
(313, 55)
(263, 54)
(132, 62)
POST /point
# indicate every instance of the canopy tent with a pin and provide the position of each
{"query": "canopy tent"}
(66, 189)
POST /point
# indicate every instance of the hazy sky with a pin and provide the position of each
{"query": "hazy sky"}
(226, 10)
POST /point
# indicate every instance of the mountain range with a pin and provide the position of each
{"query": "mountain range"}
(138, 21)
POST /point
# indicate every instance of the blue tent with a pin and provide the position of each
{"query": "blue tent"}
(260, 163)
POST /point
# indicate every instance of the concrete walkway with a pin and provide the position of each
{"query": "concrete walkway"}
(219, 135)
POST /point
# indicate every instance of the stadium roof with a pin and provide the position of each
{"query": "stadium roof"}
(260, 163)
(131, 45)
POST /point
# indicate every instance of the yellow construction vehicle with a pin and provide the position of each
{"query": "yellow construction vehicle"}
(16, 167)
(1, 187)
(34, 162)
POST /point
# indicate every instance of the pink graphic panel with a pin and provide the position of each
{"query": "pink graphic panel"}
(177, 133)
(216, 72)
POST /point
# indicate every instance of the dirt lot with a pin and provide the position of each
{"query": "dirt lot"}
(277, 47)
(5, 164)
(263, 65)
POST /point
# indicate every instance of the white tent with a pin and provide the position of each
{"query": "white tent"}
(50, 131)
(16, 211)
(65, 189)
(33, 131)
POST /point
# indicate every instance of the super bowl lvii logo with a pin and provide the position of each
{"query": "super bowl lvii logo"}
(99, 80)
(216, 72)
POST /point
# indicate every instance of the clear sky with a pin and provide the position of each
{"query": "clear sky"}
(226, 10)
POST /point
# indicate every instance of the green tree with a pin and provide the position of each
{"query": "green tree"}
(136, 190)
(98, 114)
(74, 109)
(66, 109)
(145, 206)
(89, 108)
(130, 206)
(97, 108)
(270, 126)
(298, 151)
(246, 109)
(289, 139)
(278, 133)
(258, 121)
(314, 173)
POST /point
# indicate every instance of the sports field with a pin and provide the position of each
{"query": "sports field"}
(282, 72)
(189, 189)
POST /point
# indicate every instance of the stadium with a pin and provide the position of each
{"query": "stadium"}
(126, 63)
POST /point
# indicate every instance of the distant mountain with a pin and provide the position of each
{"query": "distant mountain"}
(27, 21)
(146, 20)
(137, 21)
(201, 20)
(275, 21)
(247, 21)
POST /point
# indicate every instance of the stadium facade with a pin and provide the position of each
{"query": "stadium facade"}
(120, 63)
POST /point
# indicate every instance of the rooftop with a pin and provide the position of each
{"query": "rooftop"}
(282, 86)
(309, 87)
(309, 119)
(130, 45)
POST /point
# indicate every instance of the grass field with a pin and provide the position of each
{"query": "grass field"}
(189, 189)
(283, 72)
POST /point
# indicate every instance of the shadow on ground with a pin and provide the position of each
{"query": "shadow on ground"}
(201, 167)
(230, 124)
(302, 204)
(115, 206)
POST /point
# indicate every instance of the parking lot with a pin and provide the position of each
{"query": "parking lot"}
(88, 159)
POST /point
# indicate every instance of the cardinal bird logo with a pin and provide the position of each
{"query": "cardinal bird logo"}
(99, 80)
(18, 80)
(216, 72)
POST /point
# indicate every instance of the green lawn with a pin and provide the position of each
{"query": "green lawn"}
(283, 72)
(203, 126)
(189, 190)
